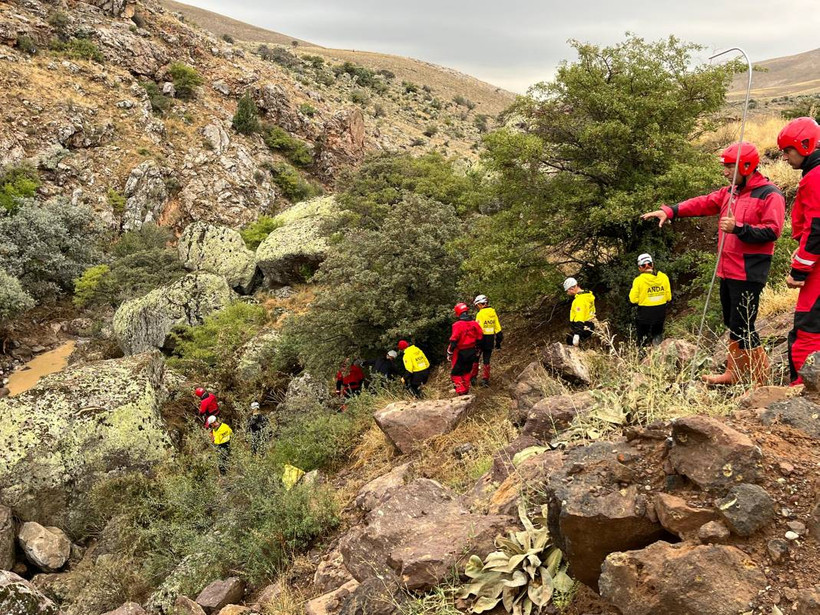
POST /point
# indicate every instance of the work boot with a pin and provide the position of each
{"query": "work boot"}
(759, 366)
(485, 375)
(735, 359)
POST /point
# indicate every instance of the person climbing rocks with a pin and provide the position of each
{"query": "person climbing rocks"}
(651, 292)
(416, 367)
(221, 437)
(385, 367)
(493, 336)
(258, 425)
(208, 404)
(462, 352)
(581, 313)
(800, 143)
(349, 379)
(747, 234)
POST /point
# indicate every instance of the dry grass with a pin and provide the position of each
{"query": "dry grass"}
(776, 301)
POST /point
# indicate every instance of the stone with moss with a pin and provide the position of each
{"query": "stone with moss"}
(19, 597)
(292, 252)
(254, 356)
(147, 322)
(75, 428)
(219, 250)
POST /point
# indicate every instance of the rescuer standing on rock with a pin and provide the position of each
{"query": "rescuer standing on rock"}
(799, 141)
(463, 349)
(747, 233)
(651, 292)
(581, 313)
(416, 367)
(491, 327)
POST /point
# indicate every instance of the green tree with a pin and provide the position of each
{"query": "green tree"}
(13, 299)
(246, 118)
(608, 139)
(88, 286)
(186, 79)
(17, 182)
(379, 285)
(256, 232)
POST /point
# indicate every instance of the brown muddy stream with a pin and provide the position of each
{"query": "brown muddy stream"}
(49, 362)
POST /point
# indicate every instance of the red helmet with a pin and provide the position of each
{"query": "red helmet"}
(403, 345)
(460, 308)
(749, 157)
(802, 134)
(199, 391)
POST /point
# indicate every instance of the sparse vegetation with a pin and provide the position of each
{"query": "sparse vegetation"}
(186, 79)
(295, 150)
(430, 130)
(116, 201)
(308, 109)
(17, 182)
(78, 49)
(228, 39)
(409, 87)
(246, 119)
(463, 101)
(255, 233)
(26, 44)
(360, 97)
(160, 103)
(295, 187)
(279, 55)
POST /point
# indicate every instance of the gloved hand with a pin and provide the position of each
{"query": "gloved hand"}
(449, 356)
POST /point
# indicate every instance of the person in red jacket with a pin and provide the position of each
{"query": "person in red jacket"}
(800, 143)
(208, 404)
(349, 379)
(747, 232)
(462, 351)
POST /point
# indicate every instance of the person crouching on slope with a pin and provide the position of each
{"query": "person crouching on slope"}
(208, 404)
(462, 351)
(747, 234)
(651, 292)
(581, 313)
(800, 142)
(491, 327)
(349, 379)
(416, 367)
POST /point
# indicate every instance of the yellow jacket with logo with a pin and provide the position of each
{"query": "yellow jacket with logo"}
(222, 434)
(583, 307)
(488, 320)
(651, 289)
(414, 359)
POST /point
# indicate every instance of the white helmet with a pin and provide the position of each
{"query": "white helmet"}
(570, 283)
(254, 405)
(211, 420)
(644, 259)
(480, 299)
(392, 354)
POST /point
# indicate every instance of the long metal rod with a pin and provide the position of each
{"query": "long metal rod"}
(733, 191)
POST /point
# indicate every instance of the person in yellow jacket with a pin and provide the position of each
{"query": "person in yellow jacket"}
(416, 367)
(581, 313)
(651, 292)
(221, 437)
(491, 326)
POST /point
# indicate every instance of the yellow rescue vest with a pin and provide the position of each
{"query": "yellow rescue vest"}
(414, 360)
(488, 320)
(651, 289)
(222, 434)
(583, 307)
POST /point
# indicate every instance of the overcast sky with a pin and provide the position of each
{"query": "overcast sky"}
(516, 43)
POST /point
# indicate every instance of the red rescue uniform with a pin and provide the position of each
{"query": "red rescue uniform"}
(463, 347)
(208, 406)
(804, 338)
(350, 383)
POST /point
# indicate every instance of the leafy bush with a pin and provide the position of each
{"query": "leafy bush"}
(430, 130)
(26, 44)
(256, 232)
(361, 75)
(360, 97)
(386, 73)
(308, 109)
(246, 118)
(295, 150)
(87, 286)
(409, 87)
(48, 245)
(79, 49)
(13, 299)
(16, 183)
(160, 103)
(186, 79)
(481, 122)
(291, 183)
(228, 39)
(279, 55)
(462, 101)
(315, 61)
(116, 201)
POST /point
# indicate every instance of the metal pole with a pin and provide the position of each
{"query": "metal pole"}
(733, 197)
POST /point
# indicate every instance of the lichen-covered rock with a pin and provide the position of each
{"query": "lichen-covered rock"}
(298, 246)
(566, 362)
(75, 427)
(186, 578)
(48, 548)
(129, 608)
(256, 354)
(7, 538)
(19, 597)
(219, 250)
(145, 195)
(342, 142)
(146, 322)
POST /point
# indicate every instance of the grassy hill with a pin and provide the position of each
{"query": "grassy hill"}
(794, 75)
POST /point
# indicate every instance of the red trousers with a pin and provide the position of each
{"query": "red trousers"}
(462, 367)
(804, 339)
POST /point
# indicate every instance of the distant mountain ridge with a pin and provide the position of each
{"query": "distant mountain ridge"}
(787, 76)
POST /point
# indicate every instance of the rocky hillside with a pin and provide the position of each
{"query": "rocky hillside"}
(796, 75)
(128, 107)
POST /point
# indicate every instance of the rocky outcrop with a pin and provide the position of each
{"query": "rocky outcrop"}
(75, 427)
(145, 195)
(408, 424)
(146, 323)
(48, 548)
(256, 354)
(331, 603)
(681, 580)
(19, 597)
(554, 414)
(129, 608)
(374, 492)
(8, 535)
(221, 593)
(218, 250)
(527, 391)
(297, 247)
(713, 455)
(115, 8)
(418, 536)
(567, 363)
(342, 142)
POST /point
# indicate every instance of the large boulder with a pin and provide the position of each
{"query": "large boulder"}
(797, 412)
(408, 424)
(78, 426)
(746, 509)
(221, 593)
(373, 493)
(219, 250)
(713, 455)
(146, 322)
(19, 597)
(145, 195)
(297, 248)
(555, 413)
(681, 580)
(256, 354)
(8, 536)
(48, 548)
(566, 362)
(596, 507)
(418, 536)
(331, 603)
